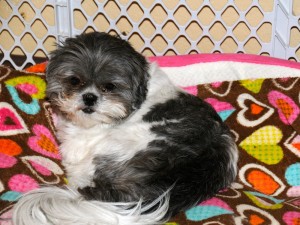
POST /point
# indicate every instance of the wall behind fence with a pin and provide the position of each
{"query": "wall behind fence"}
(30, 29)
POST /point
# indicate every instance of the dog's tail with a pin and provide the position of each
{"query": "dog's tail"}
(57, 206)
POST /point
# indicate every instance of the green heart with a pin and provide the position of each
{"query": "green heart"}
(263, 145)
(253, 85)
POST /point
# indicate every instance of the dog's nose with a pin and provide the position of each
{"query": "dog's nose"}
(89, 99)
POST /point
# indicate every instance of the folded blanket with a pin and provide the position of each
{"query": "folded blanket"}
(258, 98)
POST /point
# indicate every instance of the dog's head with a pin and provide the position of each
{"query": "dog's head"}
(96, 78)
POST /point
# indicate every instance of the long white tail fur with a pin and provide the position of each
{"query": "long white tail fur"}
(58, 206)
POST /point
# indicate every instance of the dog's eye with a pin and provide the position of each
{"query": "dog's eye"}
(108, 87)
(74, 81)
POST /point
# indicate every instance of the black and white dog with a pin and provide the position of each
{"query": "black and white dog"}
(136, 149)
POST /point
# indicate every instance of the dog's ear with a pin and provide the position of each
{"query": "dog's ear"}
(140, 78)
(117, 35)
(141, 92)
(54, 86)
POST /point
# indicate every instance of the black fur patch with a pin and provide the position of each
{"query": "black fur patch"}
(192, 153)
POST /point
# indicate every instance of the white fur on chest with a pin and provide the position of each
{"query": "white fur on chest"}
(80, 146)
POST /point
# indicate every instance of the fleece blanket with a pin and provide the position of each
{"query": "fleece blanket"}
(29, 154)
(258, 98)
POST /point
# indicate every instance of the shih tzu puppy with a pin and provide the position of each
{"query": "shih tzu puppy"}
(136, 149)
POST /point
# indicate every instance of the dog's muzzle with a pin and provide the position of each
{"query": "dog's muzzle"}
(89, 100)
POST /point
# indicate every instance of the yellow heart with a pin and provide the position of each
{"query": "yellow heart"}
(263, 145)
(253, 85)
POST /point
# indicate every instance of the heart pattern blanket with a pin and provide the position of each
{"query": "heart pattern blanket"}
(29, 155)
(263, 114)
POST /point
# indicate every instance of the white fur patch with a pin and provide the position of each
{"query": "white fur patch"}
(80, 146)
(160, 90)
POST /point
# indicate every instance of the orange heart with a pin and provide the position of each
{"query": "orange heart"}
(255, 220)
(45, 143)
(256, 109)
(285, 107)
(262, 182)
(253, 112)
(253, 215)
(9, 147)
(261, 179)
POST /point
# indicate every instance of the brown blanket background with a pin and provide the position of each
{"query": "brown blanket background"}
(263, 115)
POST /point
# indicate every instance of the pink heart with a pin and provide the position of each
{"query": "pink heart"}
(46, 170)
(219, 105)
(287, 109)
(216, 84)
(28, 88)
(5, 218)
(41, 169)
(22, 183)
(291, 218)
(193, 90)
(294, 202)
(43, 143)
(293, 191)
(7, 161)
(216, 202)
